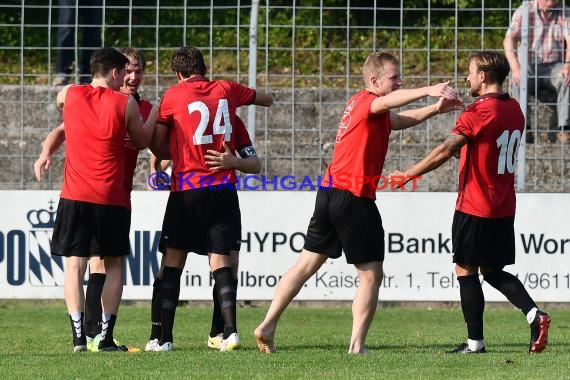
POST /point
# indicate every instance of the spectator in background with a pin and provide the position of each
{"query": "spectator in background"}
(90, 14)
(548, 62)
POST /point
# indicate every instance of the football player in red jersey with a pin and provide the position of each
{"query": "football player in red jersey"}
(487, 135)
(345, 216)
(93, 312)
(197, 119)
(53, 141)
(216, 160)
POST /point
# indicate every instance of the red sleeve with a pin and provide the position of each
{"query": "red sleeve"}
(366, 104)
(165, 115)
(368, 115)
(241, 134)
(243, 95)
(465, 124)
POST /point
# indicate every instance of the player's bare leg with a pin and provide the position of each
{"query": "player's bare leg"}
(364, 304)
(113, 289)
(75, 268)
(288, 287)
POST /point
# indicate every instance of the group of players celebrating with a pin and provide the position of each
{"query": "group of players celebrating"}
(106, 124)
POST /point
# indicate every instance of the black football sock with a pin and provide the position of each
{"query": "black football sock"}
(168, 300)
(512, 288)
(77, 329)
(217, 316)
(155, 322)
(93, 309)
(227, 292)
(107, 328)
(472, 305)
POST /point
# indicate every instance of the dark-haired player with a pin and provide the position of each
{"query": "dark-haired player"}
(94, 205)
(196, 128)
(131, 84)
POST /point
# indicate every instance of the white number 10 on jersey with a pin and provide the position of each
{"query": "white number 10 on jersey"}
(509, 146)
(221, 126)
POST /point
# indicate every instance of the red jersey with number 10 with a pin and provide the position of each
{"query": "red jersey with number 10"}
(360, 148)
(201, 116)
(494, 124)
(95, 131)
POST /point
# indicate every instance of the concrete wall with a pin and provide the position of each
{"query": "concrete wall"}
(292, 138)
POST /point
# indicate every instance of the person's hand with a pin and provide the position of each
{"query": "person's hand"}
(221, 160)
(444, 90)
(516, 76)
(566, 74)
(42, 163)
(398, 179)
(447, 105)
(158, 165)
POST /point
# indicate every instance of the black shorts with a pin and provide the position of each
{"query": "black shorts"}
(343, 221)
(487, 242)
(81, 225)
(206, 220)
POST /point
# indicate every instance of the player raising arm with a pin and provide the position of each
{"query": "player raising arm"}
(487, 134)
(346, 216)
(196, 122)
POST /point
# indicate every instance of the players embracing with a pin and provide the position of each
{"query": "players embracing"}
(196, 129)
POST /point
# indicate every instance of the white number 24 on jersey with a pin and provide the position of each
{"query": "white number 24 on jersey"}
(221, 126)
(508, 144)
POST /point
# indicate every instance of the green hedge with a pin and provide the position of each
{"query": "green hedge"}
(427, 42)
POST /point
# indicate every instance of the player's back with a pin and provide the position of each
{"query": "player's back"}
(95, 132)
(201, 114)
(488, 161)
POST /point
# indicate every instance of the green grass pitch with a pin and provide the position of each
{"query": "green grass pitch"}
(311, 344)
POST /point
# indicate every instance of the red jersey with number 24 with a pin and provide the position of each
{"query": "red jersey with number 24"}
(201, 116)
(494, 124)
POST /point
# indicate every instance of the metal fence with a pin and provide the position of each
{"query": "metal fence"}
(308, 54)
